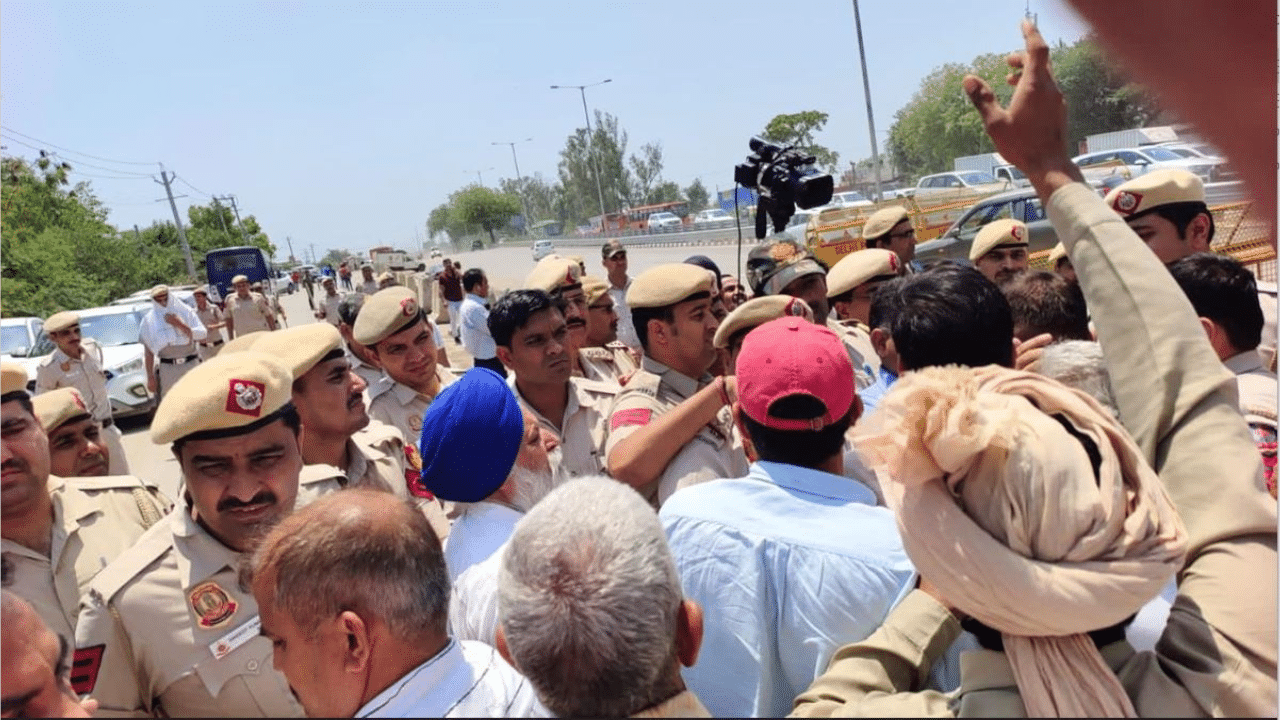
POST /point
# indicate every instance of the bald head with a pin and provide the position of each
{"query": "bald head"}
(361, 550)
(34, 680)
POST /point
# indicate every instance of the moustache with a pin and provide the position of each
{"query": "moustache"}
(575, 323)
(12, 463)
(264, 497)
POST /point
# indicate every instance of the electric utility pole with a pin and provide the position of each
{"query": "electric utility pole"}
(165, 179)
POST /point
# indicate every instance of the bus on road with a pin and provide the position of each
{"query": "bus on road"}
(225, 263)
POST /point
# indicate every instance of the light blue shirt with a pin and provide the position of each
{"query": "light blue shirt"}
(473, 318)
(874, 393)
(788, 564)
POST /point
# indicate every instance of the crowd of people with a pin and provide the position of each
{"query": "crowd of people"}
(876, 489)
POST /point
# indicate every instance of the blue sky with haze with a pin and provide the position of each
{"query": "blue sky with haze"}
(344, 124)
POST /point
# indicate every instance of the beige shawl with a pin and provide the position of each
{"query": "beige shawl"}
(999, 506)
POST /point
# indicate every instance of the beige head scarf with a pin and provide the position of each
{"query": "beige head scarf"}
(999, 506)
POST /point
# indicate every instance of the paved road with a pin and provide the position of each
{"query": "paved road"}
(506, 268)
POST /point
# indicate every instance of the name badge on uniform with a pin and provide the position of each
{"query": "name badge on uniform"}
(223, 646)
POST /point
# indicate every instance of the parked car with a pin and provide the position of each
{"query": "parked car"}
(664, 222)
(1021, 205)
(542, 248)
(795, 228)
(18, 339)
(973, 181)
(115, 328)
(849, 199)
(713, 218)
(1137, 161)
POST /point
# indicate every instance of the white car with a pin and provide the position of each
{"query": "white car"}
(664, 222)
(115, 328)
(849, 199)
(712, 218)
(18, 339)
(974, 181)
(542, 248)
(1133, 162)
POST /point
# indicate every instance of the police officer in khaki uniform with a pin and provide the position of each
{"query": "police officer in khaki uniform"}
(165, 628)
(1167, 209)
(336, 429)
(59, 532)
(395, 329)
(890, 228)
(328, 310)
(604, 357)
(273, 301)
(77, 363)
(850, 285)
(532, 342)
(782, 267)
(561, 278)
(247, 311)
(211, 316)
(750, 314)
(671, 425)
(76, 446)
(999, 250)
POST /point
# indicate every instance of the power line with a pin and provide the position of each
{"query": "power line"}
(193, 187)
(100, 167)
(75, 152)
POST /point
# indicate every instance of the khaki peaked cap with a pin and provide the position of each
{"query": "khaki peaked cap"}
(1006, 231)
(13, 377)
(1156, 188)
(384, 313)
(668, 284)
(594, 288)
(57, 407)
(860, 267)
(60, 321)
(758, 311)
(553, 274)
(222, 393)
(300, 347)
(882, 221)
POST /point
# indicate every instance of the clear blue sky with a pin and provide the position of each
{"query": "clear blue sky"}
(344, 124)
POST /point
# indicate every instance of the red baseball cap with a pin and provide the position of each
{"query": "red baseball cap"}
(792, 356)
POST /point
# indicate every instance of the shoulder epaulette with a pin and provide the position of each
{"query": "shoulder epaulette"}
(150, 547)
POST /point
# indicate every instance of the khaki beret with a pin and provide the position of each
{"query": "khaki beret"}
(882, 221)
(223, 393)
(859, 267)
(994, 234)
(1156, 188)
(60, 321)
(1058, 252)
(159, 290)
(243, 342)
(300, 347)
(58, 407)
(202, 290)
(553, 274)
(611, 248)
(13, 378)
(667, 285)
(758, 311)
(593, 288)
(384, 313)
(239, 278)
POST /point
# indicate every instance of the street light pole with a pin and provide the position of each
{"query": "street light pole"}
(866, 88)
(582, 90)
(519, 179)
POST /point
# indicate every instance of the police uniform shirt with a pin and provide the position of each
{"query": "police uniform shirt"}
(330, 304)
(857, 340)
(379, 458)
(249, 315)
(715, 452)
(606, 363)
(84, 374)
(402, 407)
(211, 315)
(95, 519)
(375, 380)
(582, 438)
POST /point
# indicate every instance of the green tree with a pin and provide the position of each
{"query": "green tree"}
(577, 170)
(697, 195)
(476, 205)
(1099, 96)
(646, 174)
(798, 129)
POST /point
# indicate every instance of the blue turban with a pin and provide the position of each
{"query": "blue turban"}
(471, 434)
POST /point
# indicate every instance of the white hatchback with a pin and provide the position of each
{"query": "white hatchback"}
(541, 249)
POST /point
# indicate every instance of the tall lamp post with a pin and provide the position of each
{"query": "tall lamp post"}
(527, 218)
(479, 177)
(582, 90)
(866, 88)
